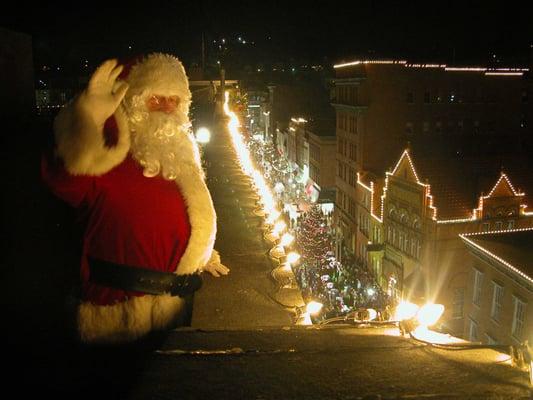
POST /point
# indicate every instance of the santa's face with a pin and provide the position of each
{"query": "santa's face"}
(161, 139)
(166, 104)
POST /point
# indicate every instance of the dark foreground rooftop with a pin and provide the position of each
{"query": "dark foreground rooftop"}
(277, 363)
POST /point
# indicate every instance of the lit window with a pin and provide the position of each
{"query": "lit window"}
(473, 336)
(490, 339)
(518, 317)
(497, 299)
(478, 282)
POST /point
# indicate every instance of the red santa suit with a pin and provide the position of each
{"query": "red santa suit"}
(153, 222)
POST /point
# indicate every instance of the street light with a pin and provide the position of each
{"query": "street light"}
(203, 135)
(311, 308)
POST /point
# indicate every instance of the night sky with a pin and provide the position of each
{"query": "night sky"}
(452, 32)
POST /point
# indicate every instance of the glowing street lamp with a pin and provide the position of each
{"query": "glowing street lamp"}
(203, 135)
(405, 311)
(286, 239)
(429, 314)
(292, 257)
(311, 308)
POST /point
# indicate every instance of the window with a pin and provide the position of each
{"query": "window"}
(497, 299)
(409, 128)
(473, 335)
(490, 339)
(427, 97)
(351, 177)
(485, 227)
(410, 98)
(353, 149)
(438, 127)
(458, 302)
(476, 126)
(510, 224)
(518, 317)
(478, 282)
(353, 125)
(452, 97)
(498, 225)
(425, 126)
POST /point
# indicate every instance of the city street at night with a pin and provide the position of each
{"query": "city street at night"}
(267, 200)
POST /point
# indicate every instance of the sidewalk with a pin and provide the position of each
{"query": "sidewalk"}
(248, 296)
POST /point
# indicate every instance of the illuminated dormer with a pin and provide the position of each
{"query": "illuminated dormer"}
(503, 201)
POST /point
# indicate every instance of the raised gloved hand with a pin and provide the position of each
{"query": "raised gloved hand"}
(103, 94)
(79, 126)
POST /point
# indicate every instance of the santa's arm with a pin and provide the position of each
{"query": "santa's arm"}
(79, 127)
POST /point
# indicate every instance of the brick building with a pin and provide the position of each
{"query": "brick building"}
(499, 293)
(411, 219)
(441, 111)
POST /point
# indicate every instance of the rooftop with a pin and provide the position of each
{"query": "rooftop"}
(457, 184)
(511, 248)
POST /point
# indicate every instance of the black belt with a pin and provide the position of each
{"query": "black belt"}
(144, 280)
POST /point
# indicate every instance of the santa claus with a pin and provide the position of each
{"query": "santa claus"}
(126, 160)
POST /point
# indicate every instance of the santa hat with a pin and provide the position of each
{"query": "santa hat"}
(155, 74)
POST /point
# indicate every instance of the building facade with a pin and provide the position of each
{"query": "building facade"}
(402, 226)
(412, 229)
(499, 291)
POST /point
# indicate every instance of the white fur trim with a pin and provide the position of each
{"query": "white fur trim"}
(159, 74)
(129, 320)
(203, 220)
(81, 144)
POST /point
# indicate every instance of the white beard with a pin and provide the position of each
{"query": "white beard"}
(163, 144)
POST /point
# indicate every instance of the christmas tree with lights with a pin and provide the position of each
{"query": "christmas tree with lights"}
(313, 237)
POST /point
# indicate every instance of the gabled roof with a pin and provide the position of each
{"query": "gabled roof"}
(458, 184)
(511, 249)
(405, 168)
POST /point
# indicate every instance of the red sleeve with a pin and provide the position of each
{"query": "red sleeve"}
(72, 189)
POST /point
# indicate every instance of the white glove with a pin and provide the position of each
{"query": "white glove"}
(103, 94)
(214, 266)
